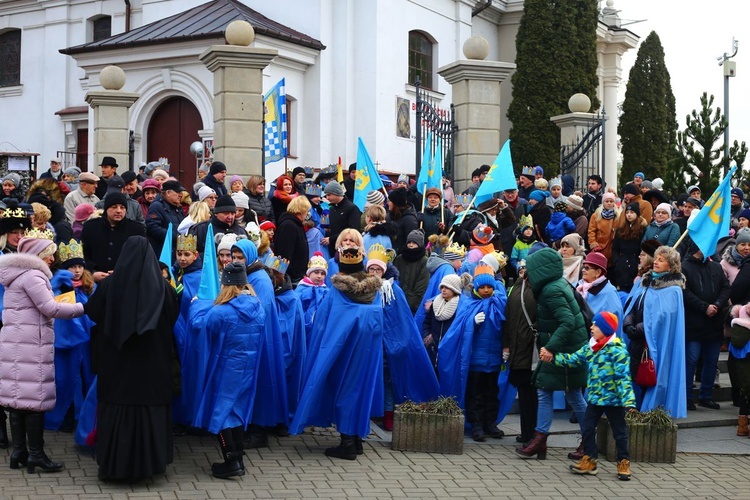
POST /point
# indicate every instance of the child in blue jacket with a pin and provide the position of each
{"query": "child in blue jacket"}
(560, 225)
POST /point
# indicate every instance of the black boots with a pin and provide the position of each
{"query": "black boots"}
(3, 430)
(37, 457)
(230, 441)
(20, 454)
(346, 450)
(255, 437)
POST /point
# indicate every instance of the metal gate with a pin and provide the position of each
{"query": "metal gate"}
(442, 124)
(587, 156)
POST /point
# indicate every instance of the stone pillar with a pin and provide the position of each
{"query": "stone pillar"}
(575, 124)
(111, 132)
(475, 87)
(238, 99)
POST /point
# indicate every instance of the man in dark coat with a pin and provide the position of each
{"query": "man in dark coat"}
(103, 238)
(55, 170)
(222, 222)
(215, 178)
(343, 214)
(706, 295)
(109, 168)
(593, 197)
(350, 182)
(162, 212)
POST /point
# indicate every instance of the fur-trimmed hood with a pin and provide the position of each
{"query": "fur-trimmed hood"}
(12, 265)
(359, 287)
(671, 279)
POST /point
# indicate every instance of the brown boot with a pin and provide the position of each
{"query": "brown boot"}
(586, 465)
(536, 448)
(578, 454)
(742, 428)
(623, 470)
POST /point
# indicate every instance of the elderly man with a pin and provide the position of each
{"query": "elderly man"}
(85, 193)
(132, 188)
(162, 212)
(104, 237)
(115, 184)
(55, 170)
(223, 221)
(526, 181)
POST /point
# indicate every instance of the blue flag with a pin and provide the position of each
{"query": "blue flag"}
(499, 178)
(712, 222)
(209, 285)
(367, 176)
(166, 250)
(423, 180)
(274, 126)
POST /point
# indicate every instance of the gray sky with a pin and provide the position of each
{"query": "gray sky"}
(694, 33)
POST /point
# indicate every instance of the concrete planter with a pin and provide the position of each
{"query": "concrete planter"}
(646, 443)
(428, 433)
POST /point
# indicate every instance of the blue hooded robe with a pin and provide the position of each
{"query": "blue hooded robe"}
(442, 270)
(310, 297)
(294, 339)
(607, 300)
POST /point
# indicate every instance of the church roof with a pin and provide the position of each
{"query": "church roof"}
(202, 22)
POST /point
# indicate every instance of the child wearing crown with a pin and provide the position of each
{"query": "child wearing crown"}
(72, 339)
(523, 243)
(312, 288)
(470, 354)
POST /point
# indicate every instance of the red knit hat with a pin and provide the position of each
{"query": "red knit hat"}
(607, 322)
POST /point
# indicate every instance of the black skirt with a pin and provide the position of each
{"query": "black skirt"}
(133, 442)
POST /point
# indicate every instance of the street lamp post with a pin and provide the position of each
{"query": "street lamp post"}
(730, 69)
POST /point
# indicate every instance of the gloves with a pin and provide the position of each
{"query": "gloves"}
(506, 355)
(386, 292)
(479, 318)
(420, 217)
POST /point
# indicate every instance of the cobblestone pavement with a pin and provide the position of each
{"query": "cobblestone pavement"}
(295, 467)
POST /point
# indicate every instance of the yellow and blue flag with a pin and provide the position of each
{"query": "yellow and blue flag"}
(275, 126)
(431, 171)
(368, 178)
(499, 178)
(712, 222)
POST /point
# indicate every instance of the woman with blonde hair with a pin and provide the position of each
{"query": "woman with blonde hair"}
(291, 241)
(377, 228)
(198, 212)
(349, 238)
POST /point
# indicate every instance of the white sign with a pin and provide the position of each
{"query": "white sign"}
(18, 163)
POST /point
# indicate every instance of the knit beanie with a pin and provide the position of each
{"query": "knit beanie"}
(14, 178)
(738, 193)
(374, 198)
(483, 275)
(639, 174)
(224, 204)
(74, 171)
(606, 321)
(538, 245)
(317, 263)
(115, 198)
(574, 240)
(334, 188)
(538, 195)
(575, 201)
(742, 236)
(665, 207)
(634, 207)
(235, 178)
(36, 246)
(217, 167)
(226, 241)
(482, 234)
(266, 225)
(234, 274)
(416, 236)
(745, 214)
(398, 197)
(241, 200)
(451, 282)
(491, 259)
(609, 196)
(205, 192)
(649, 246)
(160, 173)
(561, 206)
(658, 183)
(631, 189)
(297, 170)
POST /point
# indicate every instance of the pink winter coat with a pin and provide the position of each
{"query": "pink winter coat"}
(27, 340)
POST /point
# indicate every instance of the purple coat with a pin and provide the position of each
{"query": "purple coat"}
(27, 339)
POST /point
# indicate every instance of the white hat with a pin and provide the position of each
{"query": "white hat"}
(452, 282)
(226, 242)
(205, 192)
(241, 200)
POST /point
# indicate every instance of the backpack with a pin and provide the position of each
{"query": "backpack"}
(586, 311)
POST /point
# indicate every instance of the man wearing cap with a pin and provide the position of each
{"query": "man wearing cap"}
(132, 188)
(638, 179)
(350, 182)
(162, 212)
(593, 197)
(343, 214)
(695, 193)
(299, 176)
(85, 193)
(223, 221)
(215, 178)
(737, 206)
(109, 169)
(475, 183)
(117, 185)
(103, 238)
(435, 220)
(54, 171)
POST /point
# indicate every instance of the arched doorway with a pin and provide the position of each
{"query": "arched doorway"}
(172, 129)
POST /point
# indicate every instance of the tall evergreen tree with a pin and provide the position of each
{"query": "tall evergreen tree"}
(555, 58)
(648, 125)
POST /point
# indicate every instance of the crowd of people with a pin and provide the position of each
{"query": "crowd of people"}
(245, 313)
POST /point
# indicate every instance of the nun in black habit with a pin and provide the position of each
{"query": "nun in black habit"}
(133, 351)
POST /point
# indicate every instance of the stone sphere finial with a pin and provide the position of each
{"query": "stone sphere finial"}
(476, 47)
(112, 78)
(239, 33)
(610, 3)
(579, 103)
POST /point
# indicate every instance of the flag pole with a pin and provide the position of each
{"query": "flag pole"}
(442, 204)
(682, 237)
(424, 188)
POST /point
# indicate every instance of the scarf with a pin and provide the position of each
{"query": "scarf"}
(572, 268)
(308, 282)
(661, 224)
(77, 283)
(444, 309)
(583, 286)
(485, 249)
(739, 260)
(596, 345)
(412, 254)
(656, 275)
(608, 214)
(285, 197)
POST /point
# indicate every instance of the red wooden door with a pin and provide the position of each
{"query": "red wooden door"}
(172, 129)
(82, 149)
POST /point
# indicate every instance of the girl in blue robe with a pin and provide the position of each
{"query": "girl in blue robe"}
(438, 268)
(312, 288)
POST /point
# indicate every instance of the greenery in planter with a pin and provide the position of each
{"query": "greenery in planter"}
(432, 427)
(658, 417)
(440, 406)
(652, 437)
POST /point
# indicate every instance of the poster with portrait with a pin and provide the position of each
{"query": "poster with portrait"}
(403, 118)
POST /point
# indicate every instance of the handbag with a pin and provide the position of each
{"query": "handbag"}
(645, 376)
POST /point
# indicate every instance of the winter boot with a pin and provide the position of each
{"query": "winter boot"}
(358, 445)
(492, 431)
(587, 465)
(477, 432)
(239, 446)
(388, 421)
(536, 448)
(19, 455)
(255, 437)
(742, 428)
(346, 450)
(3, 430)
(578, 454)
(231, 466)
(623, 470)
(37, 457)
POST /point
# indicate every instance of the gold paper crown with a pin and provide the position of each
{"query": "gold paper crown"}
(378, 252)
(187, 243)
(502, 259)
(40, 235)
(317, 261)
(351, 256)
(525, 220)
(456, 249)
(276, 263)
(73, 250)
(15, 213)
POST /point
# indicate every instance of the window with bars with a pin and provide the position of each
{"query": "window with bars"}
(10, 58)
(102, 28)
(420, 59)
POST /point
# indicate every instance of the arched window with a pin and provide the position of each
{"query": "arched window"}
(101, 28)
(420, 59)
(10, 58)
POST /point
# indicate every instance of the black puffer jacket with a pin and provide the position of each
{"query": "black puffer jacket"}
(262, 206)
(706, 284)
(404, 224)
(290, 243)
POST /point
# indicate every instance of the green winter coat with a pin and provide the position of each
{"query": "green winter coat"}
(560, 324)
(413, 278)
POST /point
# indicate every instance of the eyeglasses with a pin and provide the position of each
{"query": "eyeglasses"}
(587, 268)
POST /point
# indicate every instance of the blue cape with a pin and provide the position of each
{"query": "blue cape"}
(310, 297)
(271, 402)
(70, 332)
(343, 379)
(412, 374)
(607, 299)
(235, 332)
(182, 406)
(195, 360)
(314, 235)
(433, 290)
(294, 339)
(664, 324)
(87, 415)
